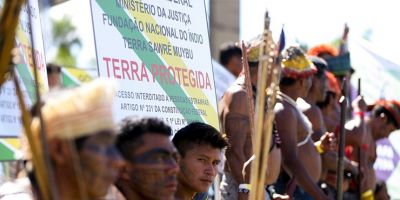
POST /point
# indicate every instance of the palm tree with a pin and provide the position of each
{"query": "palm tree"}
(65, 38)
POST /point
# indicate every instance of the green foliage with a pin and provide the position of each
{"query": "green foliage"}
(65, 37)
(336, 42)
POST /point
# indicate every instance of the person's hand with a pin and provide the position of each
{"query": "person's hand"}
(359, 104)
(328, 142)
(16, 56)
(345, 31)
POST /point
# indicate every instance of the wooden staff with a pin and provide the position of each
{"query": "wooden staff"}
(52, 191)
(359, 156)
(340, 167)
(274, 74)
(8, 25)
(249, 91)
(37, 158)
(263, 122)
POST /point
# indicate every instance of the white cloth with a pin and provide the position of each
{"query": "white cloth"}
(20, 189)
(222, 78)
(303, 117)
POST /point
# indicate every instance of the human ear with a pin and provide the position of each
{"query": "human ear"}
(125, 172)
(59, 151)
(383, 118)
(302, 81)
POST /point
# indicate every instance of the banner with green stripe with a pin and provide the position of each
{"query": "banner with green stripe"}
(72, 77)
(29, 26)
(159, 54)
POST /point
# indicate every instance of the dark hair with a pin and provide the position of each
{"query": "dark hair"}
(325, 103)
(253, 64)
(227, 51)
(53, 68)
(378, 110)
(286, 81)
(320, 64)
(131, 130)
(198, 133)
(79, 142)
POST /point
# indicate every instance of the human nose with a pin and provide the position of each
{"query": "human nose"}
(172, 167)
(116, 159)
(211, 169)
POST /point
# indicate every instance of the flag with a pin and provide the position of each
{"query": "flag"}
(281, 42)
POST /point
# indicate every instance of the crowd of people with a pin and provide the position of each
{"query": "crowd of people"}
(90, 157)
(303, 160)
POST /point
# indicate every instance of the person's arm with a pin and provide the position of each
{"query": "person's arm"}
(238, 131)
(314, 114)
(330, 159)
(369, 181)
(343, 42)
(287, 129)
(356, 128)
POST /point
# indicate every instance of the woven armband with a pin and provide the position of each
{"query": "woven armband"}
(367, 195)
(318, 146)
(244, 188)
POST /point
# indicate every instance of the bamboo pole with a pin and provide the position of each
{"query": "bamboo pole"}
(274, 77)
(359, 153)
(8, 25)
(262, 136)
(43, 136)
(340, 167)
(37, 158)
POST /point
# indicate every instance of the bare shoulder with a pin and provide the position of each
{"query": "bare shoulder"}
(285, 118)
(235, 99)
(314, 114)
(284, 109)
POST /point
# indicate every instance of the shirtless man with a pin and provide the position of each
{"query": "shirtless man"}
(384, 118)
(230, 56)
(200, 146)
(300, 159)
(329, 106)
(316, 94)
(234, 116)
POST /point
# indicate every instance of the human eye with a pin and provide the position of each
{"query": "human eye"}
(98, 149)
(153, 158)
(202, 160)
(111, 150)
(216, 163)
(160, 157)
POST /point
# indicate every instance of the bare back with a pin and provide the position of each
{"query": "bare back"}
(235, 124)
